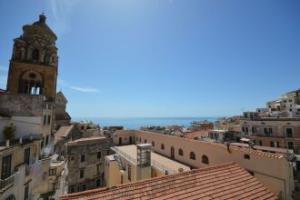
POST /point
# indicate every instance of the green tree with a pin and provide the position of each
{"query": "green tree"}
(9, 132)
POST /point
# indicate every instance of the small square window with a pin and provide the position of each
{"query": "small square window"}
(247, 156)
(81, 175)
(289, 132)
(99, 155)
(82, 158)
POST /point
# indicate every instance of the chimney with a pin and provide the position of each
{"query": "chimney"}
(143, 161)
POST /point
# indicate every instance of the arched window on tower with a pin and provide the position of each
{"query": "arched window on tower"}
(35, 55)
(31, 83)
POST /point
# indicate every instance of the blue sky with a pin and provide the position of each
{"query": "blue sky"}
(165, 58)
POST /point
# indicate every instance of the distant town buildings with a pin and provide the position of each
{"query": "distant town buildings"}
(277, 125)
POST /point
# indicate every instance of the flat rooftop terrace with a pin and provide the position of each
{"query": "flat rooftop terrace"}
(129, 152)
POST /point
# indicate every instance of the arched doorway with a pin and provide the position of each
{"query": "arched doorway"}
(172, 153)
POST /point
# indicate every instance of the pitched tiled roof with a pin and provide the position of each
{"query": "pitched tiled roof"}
(86, 139)
(62, 132)
(226, 181)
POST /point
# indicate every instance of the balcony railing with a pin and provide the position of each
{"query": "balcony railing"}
(6, 183)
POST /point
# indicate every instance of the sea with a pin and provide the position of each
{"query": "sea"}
(137, 122)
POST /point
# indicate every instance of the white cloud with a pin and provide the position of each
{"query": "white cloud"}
(65, 84)
(85, 89)
(61, 11)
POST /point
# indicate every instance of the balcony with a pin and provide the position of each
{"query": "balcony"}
(6, 183)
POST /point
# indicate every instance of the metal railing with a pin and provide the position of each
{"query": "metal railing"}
(5, 183)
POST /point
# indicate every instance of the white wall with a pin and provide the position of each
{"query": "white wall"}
(24, 125)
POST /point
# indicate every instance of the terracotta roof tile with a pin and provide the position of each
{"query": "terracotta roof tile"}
(86, 139)
(226, 181)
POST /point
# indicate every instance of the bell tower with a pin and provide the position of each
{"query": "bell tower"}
(34, 61)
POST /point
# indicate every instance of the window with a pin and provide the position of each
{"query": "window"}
(26, 192)
(260, 142)
(35, 55)
(289, 132)
(247, 156)
(277, 144)
(99, 155)
(45, 120)
(122, 179)
(81, 175)
(98, 169)
(72, 189)
(11, 197)
(162, 146)
(129, 172)
(290, 145)
(180, 152)
(83, 187)
(98, 182)
(192, 156)
(52, 172)
(145, 141)
(107, 152)
(153, 143)
(27, 156)
(268, 131)
(254, 130)
(271, 144)
(246, 130)
(82, 158)
(49, 119)
(205, 159)
(6, 167)
(47, 140)
(42, 143)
